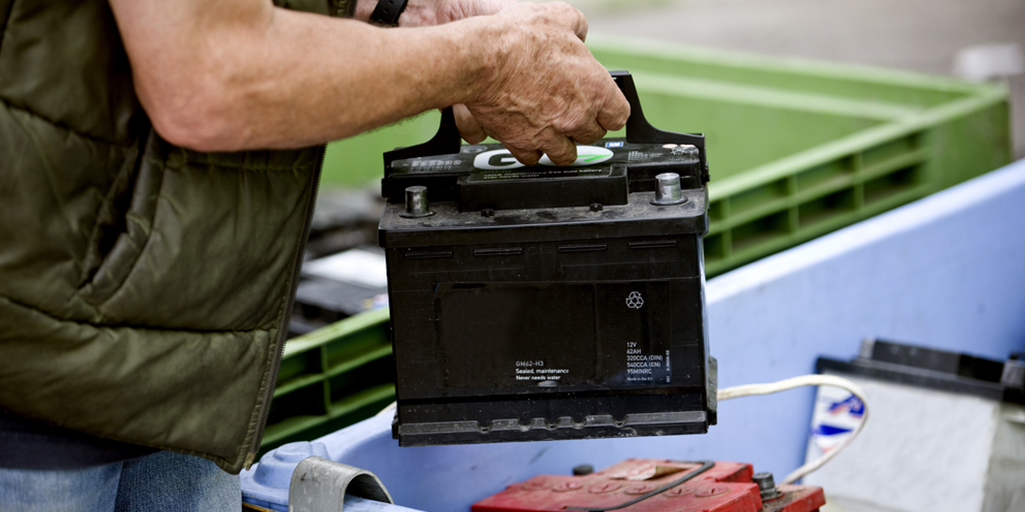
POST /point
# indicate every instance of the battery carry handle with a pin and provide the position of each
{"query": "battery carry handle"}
(445, 142)
(638, 131)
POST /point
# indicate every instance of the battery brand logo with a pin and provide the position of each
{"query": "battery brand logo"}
(634, 300)
(498, 159)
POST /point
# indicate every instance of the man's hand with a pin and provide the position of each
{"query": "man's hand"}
(424, 13)
(427, 12)
(538, 107)
(547, 92)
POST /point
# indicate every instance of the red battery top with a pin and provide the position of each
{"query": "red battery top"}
(647, 485)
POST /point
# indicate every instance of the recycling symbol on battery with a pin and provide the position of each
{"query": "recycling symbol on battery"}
(634, 300)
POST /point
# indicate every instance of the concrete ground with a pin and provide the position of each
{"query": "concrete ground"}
(913, 35)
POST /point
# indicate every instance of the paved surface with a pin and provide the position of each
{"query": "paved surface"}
(913, 35)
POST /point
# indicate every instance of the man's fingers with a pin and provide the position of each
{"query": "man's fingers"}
(588, 133)
(570, 15)
(469, 129)
(525, 157)
(577, 101)
(581, 29)
(561, 151)
(614, 113)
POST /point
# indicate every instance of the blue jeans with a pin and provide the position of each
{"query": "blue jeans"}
(164, 481)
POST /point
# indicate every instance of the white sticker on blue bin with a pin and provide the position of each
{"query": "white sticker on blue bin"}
(837, 414)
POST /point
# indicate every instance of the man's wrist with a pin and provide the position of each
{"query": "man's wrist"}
(362, 9)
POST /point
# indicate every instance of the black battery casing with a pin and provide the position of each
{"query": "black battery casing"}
(544, 302)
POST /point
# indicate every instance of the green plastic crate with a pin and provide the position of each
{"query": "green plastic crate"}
(796, 149)
(331, 378)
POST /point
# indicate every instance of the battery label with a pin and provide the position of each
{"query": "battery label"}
(534, 173)
(439, 163)
(534, 372)
(643, 368)
(663, 154)
(612, 336)
(498, 159)
(494, 157)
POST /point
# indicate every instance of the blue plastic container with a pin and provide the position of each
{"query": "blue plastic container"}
(947, 271)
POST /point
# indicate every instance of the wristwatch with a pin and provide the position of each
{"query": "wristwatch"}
(387, 12)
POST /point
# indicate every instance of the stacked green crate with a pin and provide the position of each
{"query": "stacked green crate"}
(331, 378)
(796, 149)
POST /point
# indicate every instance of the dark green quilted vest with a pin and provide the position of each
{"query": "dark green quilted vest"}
(145, 290)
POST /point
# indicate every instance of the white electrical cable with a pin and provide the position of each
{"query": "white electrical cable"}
(776, 387)
(796, 382)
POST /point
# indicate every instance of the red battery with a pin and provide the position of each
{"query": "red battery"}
(655, 485)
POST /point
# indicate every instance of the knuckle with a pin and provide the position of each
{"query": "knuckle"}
(594, 135)
(473, 137)
(563, 154)
(563, 125)
(525, 156)
(624, 115)
(528, 158)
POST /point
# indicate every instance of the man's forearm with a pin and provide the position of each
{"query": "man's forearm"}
(279, 79)
(242, 74)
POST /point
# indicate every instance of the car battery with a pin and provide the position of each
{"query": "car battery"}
(653, 485)
(544, 302)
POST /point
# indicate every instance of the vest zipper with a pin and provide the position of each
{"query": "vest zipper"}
(289, 307)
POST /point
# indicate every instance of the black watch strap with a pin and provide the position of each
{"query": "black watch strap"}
(387, 12)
